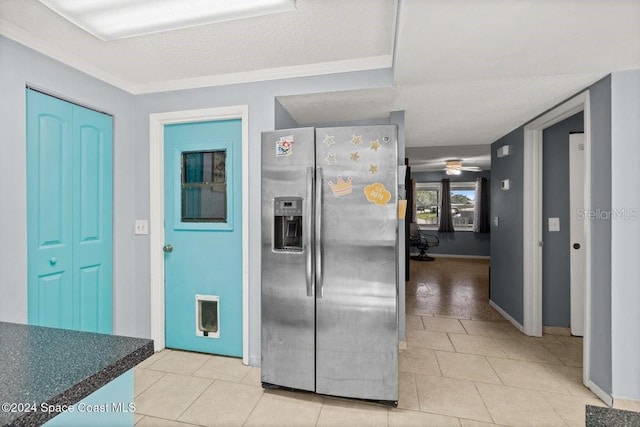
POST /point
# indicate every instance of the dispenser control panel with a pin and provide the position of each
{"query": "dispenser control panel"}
(288, 206)
(287, 224)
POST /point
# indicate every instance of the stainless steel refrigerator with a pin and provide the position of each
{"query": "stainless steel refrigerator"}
(329, 263)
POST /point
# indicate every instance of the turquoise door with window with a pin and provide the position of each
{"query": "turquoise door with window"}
(69, 215)
(203, 237)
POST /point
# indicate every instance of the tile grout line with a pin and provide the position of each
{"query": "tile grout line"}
(197, 397)
(494, 370)
(149, 386)
(174, 421)
(320, 411)
(244, 422)
(493, 420)
(455, 350)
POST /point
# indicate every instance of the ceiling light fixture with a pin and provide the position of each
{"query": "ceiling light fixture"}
(117, 19)
(453, 171)
(453, 167)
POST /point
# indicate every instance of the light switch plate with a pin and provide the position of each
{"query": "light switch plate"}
(142, 226)
(554, 224)
(495, 221)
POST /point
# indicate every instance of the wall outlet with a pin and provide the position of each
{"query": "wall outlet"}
(554, 224)
(495, 221)
(142, 226)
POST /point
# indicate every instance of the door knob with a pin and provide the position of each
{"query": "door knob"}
(167, 248)
(576, 246)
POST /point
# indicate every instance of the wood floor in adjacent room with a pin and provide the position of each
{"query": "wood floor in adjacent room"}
(456, 287)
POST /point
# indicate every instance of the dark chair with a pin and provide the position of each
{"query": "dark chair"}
(423, 241)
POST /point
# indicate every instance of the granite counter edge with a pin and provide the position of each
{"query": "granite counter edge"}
(85, 387)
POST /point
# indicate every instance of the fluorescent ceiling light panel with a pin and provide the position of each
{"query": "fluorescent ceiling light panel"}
(117, 19)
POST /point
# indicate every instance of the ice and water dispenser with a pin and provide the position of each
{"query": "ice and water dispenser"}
(287, 223)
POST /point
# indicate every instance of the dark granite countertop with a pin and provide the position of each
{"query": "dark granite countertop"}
(609, 417)
(59, 367)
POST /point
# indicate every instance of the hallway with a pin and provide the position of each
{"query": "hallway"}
(462, 365)
(464, 359)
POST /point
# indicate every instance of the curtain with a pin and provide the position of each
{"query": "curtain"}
(446, 221)
(481, 223)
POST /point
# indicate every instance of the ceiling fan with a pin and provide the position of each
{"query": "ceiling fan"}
(454, 167)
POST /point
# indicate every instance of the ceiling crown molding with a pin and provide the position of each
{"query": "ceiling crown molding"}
(317, 69)
(38, 44)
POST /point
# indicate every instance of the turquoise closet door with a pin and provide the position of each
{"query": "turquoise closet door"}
(69, 215)
(203, 236)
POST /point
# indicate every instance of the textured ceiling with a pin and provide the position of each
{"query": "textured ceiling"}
(469, 71)
(316, 32)
(466, 71)
(452, 41)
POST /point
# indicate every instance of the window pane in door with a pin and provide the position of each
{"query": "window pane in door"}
(204, 186)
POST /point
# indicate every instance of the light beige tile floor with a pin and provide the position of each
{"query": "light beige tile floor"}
(463, 365)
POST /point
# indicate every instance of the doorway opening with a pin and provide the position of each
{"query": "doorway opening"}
(533, 223)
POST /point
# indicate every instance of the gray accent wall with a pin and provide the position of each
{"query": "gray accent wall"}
(625, 231)
(459, 243)
(506, 288)
(506, 285)
(600, 330)
(556, 252)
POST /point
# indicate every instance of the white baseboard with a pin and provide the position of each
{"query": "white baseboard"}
(556, 330)
(626, 404)
(602, 395)
(458, 256)
(254, 361)
(507, 316)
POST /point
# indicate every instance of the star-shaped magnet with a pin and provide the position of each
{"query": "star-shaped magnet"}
(374, 145)
(356, 140)
(355, 156)
(331, 159)
(373, 169)
(329, 140)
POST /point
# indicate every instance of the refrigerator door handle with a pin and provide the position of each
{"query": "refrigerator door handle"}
(309, 231)
(318, 233)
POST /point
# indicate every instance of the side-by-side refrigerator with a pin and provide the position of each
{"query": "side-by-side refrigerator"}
(329, 265)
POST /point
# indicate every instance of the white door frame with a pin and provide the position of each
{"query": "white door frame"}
(157, 123)
(532, 217)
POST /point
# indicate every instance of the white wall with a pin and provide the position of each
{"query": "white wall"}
(625, 230)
